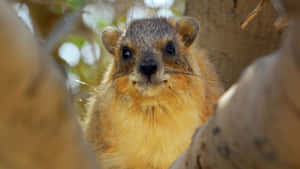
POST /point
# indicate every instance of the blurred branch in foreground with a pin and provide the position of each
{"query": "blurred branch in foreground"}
(256, 120)
(37, 125)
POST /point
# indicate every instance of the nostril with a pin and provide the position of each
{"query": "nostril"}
(148, 69)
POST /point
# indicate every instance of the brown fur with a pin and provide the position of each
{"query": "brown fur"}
(134, 124)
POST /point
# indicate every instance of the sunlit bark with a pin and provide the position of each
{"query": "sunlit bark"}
(37, 125)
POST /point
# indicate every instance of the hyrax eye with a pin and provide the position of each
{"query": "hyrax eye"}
(126, 53)
(170, 49)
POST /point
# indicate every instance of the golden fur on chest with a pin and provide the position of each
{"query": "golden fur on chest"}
(147, 131)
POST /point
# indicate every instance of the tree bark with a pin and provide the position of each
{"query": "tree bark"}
(256, 122)
(38, 129)
(230, 48)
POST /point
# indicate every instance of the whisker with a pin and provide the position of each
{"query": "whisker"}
(189, 74)
(176, 72)
(119, 74)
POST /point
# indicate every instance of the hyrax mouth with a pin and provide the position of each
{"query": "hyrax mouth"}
(157, 80)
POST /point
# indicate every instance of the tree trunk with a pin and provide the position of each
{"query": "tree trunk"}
(230, 48)
(257, 120)
(38, 129)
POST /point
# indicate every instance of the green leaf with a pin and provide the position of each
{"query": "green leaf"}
(77, 40)
(121, 19)
(102, 23)
(72, 3)
(75, 3)
(57, 9)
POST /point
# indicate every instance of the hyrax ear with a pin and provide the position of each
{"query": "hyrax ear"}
(110, 37)
(187, 28)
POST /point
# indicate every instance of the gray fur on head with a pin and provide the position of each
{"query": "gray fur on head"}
(144, 32)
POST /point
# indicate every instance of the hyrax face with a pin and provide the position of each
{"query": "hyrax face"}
(149, 50)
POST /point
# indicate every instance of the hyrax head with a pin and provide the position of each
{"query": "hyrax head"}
(149, 49)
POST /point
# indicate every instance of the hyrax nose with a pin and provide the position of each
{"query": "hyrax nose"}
(148, 67)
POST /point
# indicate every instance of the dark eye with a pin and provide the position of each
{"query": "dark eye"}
(170, 49)
(126, 53)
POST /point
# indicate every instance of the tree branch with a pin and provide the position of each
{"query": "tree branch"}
(37, 125)
(256, 120)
